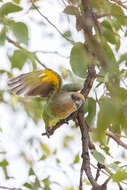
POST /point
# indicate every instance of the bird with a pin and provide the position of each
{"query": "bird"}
(61, 100)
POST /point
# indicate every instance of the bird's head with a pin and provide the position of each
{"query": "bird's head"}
(78, 99)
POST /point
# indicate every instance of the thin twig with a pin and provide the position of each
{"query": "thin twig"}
(51, 52)
(16, 44)
(54, 26)
(99, 167)
(100, 170)
(120, 3)
(81, 175)
(109, 14)
(116, 138)
(38, 60)
(120, 187)
(2, 187)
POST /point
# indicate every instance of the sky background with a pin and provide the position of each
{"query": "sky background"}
(17, 128)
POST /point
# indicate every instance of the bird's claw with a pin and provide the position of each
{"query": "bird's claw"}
(66, 121)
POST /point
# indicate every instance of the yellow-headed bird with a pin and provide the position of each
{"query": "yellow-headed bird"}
(61, 101)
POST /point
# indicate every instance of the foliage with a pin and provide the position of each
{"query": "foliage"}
(105, 109)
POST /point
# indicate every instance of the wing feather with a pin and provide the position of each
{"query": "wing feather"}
(40, 83)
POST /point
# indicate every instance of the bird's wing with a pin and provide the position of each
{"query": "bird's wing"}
(37, 83)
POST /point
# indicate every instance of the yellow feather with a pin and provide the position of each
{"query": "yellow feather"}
(51, 76)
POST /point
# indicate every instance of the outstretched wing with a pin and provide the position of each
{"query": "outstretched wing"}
(37, 83)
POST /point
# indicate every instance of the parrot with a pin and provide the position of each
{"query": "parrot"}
(61, 102)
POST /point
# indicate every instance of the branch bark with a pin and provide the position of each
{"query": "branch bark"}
(116, 138)
(16, 44)
(8, 188)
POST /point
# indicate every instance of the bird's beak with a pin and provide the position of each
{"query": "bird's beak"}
(80, 101)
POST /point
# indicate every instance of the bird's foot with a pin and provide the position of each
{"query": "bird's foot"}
(66, 121)
(48, 132)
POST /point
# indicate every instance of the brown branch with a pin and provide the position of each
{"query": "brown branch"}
(89, 80)
(85, 144)
(2, 187)
(16, 44)
(50, 131)
(109, 14)
(81, 175)
(100, 170)
(120, 3)
(116, 138)
(120, 187)
(53, 25)
(51, 52)
(87, 24)
(99, 167)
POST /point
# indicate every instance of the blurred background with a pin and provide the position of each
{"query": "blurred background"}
(27, 159)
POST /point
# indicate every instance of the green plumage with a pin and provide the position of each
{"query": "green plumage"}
(61, 102)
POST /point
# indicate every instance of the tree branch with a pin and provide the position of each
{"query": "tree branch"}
(109, 14)
(2, 187)
(120, 187)
(120, 3)
(51, 52)
(116, 138)
(16, 44)
(53, 25)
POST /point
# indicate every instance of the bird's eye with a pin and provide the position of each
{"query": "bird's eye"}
(73, 97)
(78, 102)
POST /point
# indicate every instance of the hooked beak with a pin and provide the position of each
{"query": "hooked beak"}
(79, 102)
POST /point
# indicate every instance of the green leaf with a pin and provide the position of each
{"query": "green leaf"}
(79, 60)
(31, 172)
(3, 36)
(106, 148)
(58, 160)
(1, 95)
(108, 32)
(7, 72)
(67, 34)
(99, 157)
(4, 163)
(33, 108)
(106, 116)
(66, 140)
(45, 149)
(28, 185)
(119, 176)
(9, 8)
(17, 1)
(43, 157)
(3, 151)
(37, 183)
(109, 54)
(71, 10)
(114, 166)
(18, 59)
(90, 108)
(123, 58)
(118, 14)
(77, 159)
(46, 182)
(20, 31)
